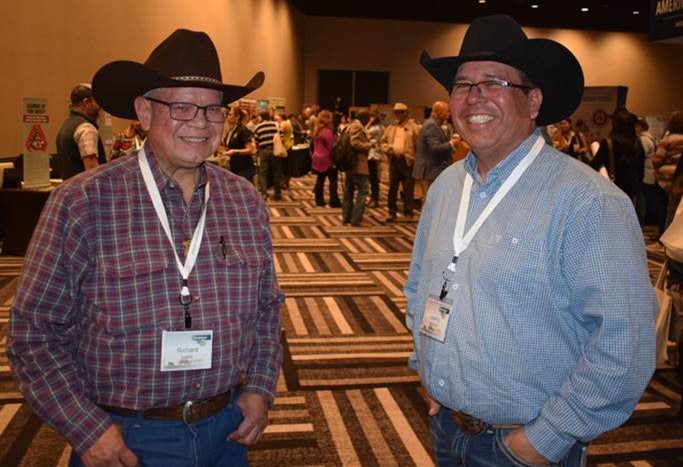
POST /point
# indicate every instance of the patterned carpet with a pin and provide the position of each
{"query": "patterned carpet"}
(345, 396)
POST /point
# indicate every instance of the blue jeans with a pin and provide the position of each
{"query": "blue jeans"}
(353, 209)
(452, 447)
(171, 443)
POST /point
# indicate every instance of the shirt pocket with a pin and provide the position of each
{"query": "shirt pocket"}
(238, 276)
(133, 291)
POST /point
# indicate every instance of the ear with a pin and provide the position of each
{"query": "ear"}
(535, 101)
(143, 108)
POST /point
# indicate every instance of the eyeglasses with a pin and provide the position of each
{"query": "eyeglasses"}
(488, 88)
(186, 111)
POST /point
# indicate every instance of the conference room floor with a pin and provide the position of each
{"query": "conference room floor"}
(345, 395)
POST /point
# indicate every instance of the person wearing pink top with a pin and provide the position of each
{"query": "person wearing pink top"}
(323, 167)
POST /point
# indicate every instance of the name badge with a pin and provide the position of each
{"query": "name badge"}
(435, 318)
(186, 350)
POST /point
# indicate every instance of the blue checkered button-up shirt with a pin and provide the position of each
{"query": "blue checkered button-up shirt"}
(552, 323)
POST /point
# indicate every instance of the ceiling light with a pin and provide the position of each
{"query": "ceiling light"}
(534, 6)
(584, 9)
(482, 1)
(636, 12)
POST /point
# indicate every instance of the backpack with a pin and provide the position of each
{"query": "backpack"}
(343, 155)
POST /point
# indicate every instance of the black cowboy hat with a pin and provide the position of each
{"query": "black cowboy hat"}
(184, 59)
(548, 64)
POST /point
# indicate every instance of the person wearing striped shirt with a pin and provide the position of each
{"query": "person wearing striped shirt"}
(270, 167)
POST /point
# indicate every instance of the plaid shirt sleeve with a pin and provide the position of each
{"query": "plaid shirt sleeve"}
(267, 352)
(44, 322)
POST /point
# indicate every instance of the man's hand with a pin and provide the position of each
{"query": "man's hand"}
(520, 446)
(255, 410)
(110, 451)
(433, 405)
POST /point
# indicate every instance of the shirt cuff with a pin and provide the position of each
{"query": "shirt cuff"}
(87, 431)
(547, 441)
(261, 384)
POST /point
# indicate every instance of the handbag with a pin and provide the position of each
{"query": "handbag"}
(279, 149)
(672, 238)
(663, 316)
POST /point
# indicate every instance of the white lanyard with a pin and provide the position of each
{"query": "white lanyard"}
(462, 240)
(185, 269)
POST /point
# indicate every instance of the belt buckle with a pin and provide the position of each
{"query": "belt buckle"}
(468, 424)
(188, 412)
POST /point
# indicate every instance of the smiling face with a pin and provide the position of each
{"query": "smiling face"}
(494, 125)
(180, 144)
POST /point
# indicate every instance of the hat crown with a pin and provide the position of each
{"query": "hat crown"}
(490, 34)
(186, 54)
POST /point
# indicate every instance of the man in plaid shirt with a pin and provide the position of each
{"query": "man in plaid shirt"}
(146, 325)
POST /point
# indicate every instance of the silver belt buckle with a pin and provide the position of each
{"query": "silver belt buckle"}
(187, 411)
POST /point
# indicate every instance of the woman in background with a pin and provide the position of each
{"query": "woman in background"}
(238, 145)
(626, 151)
(374, 129)
(323, 141)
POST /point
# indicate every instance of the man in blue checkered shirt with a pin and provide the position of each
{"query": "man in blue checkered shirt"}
(528, 294)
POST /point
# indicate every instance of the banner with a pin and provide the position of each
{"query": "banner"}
(35, 143)
(666, 21)
(597, 104)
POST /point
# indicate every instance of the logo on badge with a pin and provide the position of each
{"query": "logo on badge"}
(201, 339)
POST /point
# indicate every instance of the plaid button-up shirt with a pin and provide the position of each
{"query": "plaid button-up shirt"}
(100, 284)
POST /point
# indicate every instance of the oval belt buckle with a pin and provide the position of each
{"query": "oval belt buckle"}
(188, 412)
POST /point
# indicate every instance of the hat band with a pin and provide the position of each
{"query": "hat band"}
(197, 78)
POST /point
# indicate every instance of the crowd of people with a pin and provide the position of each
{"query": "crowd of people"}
(528, 294)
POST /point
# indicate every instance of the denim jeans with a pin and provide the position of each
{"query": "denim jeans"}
(331, 175)
(452, 447)
(269, 169)
(400, 173)
(353, 209)
(373, 168)
(171, 443)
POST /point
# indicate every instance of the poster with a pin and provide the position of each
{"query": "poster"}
(596, 107)
(35, 143)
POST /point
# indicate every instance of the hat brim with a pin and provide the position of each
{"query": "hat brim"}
(117, 84)
(549, 64)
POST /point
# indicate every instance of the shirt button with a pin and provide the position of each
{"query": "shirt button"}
(195, 298)
(482, 195)
(441, 382)
(198, 385)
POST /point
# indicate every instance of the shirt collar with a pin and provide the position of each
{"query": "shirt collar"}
(162, 179)
(505, 167)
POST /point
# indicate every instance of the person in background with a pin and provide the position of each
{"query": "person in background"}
(128, 141)
(528, 296)
(564, 137)
(287, 135)
(671, 146)
(434, 143)
(398, 144)
(270, 167)
(374, 130)
(139, 348)
(627, 150)
(79, 145)
(238, 145)
(357, 179)
(323, 167)
(666, 162)
(582, 145)
(647, 201)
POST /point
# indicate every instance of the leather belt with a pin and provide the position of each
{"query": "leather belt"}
(472, 425)
(189, 412)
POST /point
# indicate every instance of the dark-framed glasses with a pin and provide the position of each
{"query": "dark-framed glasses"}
(487, 88)
(186, 111)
